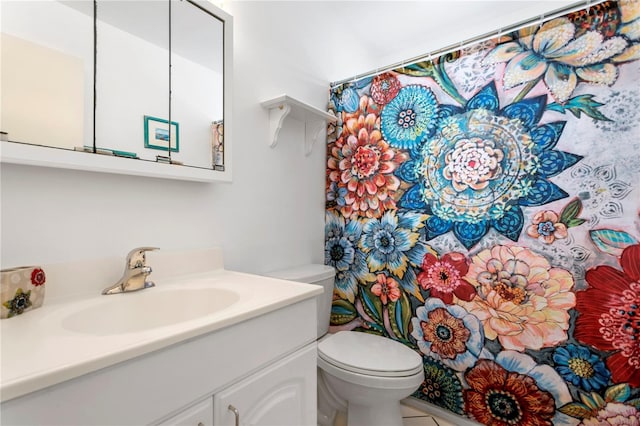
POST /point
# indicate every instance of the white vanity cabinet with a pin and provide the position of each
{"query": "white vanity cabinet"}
(265, 366)
(283, 394)
(200, 414)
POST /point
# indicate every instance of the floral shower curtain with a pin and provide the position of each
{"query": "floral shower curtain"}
(483, 208)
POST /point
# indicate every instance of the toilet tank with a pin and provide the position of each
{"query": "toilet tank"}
(322, 275)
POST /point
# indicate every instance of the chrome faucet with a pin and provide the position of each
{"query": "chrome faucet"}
(135, 273)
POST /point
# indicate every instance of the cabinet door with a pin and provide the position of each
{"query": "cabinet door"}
(282, 394)
(200, 414)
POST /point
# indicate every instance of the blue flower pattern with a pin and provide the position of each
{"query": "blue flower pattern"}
(581, 367)
(394, 243)
(410, 117)
(341, 251)
(483, 165)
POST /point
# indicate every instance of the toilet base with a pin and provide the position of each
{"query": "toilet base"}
(329, 404)
(375, 405)
(386, 414)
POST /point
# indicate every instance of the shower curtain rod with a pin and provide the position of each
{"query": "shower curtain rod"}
(487, 36)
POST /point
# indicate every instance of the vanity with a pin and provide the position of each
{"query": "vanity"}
(206, 346)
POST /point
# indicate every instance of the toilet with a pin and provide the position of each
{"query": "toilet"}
(363, 374)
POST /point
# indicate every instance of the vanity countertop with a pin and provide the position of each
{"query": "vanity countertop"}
(45, 346)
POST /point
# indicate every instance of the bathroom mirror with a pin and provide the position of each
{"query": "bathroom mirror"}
(132, 79)
(148, 73)
(196, 82)
(47, 74)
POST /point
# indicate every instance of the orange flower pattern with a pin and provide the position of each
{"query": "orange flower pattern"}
(386, 289)
(521, 299)
(546, 227)
(362, 162)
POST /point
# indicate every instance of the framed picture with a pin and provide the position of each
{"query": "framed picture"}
(217, 131)
(158, 133)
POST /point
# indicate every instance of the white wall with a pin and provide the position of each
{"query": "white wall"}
(272, 215)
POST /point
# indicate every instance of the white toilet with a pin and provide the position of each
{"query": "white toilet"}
(360, 373)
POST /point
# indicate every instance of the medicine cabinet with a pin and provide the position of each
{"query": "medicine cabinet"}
(138, 87)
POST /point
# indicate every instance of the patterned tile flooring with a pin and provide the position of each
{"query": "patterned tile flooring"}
(414, 417)
(410, 416)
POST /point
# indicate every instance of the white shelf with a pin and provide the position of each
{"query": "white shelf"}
(35, 155)
(284, 106)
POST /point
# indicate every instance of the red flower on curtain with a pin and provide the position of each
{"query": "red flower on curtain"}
(384, 88)
(502, 398)
(444, 277)
(610, 315)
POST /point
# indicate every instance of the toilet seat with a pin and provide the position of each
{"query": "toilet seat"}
(369, 355)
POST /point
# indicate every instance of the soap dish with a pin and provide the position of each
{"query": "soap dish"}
(21, 290)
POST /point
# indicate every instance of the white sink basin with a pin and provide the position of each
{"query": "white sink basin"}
(147, 309)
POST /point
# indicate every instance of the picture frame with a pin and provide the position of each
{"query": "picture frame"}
(217, 145)
(156, 134)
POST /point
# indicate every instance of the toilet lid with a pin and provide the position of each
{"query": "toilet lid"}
(369, 354)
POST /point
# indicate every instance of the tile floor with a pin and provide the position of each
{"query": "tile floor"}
(414, 417)
(411, 417)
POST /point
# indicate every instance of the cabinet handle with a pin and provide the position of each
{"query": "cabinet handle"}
(236, 413)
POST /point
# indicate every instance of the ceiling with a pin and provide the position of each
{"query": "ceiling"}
(345, 38)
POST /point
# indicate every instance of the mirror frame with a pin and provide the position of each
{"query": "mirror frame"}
(43, 156)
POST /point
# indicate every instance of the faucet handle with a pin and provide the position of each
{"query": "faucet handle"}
(136, 257)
